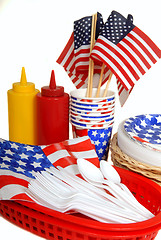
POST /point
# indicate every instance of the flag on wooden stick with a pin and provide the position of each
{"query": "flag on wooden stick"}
(75, 56)
(126, 51)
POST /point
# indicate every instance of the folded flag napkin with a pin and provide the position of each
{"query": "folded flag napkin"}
(19, 163)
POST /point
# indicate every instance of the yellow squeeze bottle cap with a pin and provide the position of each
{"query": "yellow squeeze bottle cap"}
(23, 85)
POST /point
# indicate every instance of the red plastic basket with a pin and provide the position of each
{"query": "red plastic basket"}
(51, 224)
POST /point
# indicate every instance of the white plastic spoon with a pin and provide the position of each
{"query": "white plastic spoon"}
(93, 174)
(110, 173)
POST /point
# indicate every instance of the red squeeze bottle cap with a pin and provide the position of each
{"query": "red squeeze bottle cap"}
(52, 90)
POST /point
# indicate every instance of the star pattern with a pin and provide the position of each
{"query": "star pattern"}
(145, 129)
(82, 30)
(117, 27)
(21, 158)
(100, 138)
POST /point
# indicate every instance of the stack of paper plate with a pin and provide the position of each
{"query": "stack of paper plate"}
(140, 138)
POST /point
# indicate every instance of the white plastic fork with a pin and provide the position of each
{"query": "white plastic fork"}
(80, 203)
(50, 185)
(86, 187)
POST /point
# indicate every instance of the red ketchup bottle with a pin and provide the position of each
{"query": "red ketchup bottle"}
(52, 114)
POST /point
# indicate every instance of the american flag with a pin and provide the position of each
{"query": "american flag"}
(19, 163)
(75, 56)
(126, 50)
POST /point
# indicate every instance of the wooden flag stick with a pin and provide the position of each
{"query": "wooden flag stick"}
(107, 85)
(91, 63)
(100, 81)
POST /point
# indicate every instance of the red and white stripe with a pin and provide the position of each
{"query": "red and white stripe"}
(65, 154)
(129, 59)
(82, 58)
(76, 64)
(123, 93)
(13, 186)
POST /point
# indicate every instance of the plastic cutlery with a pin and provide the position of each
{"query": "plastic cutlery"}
(111, 174)
(80, 202)
(47, 183)
(95, 177)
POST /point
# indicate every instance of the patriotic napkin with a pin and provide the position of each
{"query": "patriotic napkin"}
(126, 50)
(19, 163)
(75, 56)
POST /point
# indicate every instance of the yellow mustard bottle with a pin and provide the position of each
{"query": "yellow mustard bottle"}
(21, 111)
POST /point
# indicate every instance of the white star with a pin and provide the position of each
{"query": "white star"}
(109, 134)
(38, 156)
(149, 116)
(137, 127)
(158, 119)
(29, 148)
(21, 163)
(158, 141)
(100, 150)
(19, 169)
(143, 123)
(36, 164)
(102, 135)
(3, 165)
(33, 173)
(9, 152)
(14, 145)
(147, 135)
(94, 133)
(97, 142)
(104, 143)
(150, 131)
(6, 158)
(24, 156)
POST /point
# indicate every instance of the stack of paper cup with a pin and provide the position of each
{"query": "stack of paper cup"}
(93, 117)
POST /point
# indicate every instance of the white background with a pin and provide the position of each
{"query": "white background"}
(33, 34)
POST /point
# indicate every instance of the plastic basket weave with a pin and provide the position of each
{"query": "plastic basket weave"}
(121, 159)
(54, 225)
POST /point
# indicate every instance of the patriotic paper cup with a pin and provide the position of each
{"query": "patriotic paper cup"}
(80, 95)
(88, 104)
(95, 117)
(92, 125)
(93, 106)
(99, 137)
(92, 114)
(91, 121)
(92, 109)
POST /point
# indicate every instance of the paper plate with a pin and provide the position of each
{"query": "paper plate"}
(145, 130)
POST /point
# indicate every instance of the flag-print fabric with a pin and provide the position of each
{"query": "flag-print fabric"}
(99, 137)
(126, 50)
(82, 40)
(19, 163)
(75, 56)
